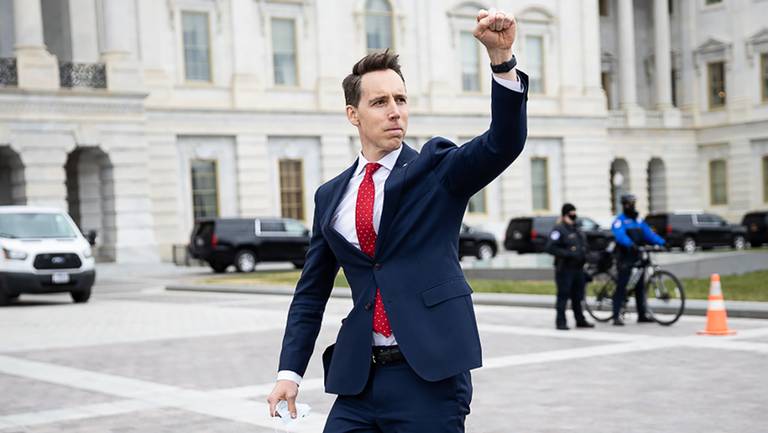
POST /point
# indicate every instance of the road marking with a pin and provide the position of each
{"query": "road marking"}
(141, 395)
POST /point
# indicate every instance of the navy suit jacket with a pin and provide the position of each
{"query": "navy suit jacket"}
(416, 261)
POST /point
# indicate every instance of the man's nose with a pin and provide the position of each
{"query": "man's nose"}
(394, 113)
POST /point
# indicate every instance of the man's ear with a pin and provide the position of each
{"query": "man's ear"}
(352, 115)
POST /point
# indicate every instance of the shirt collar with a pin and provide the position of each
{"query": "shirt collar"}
(387, 162)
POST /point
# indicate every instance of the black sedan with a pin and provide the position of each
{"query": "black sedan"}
(479, 244)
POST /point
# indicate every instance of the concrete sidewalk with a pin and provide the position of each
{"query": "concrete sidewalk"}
(693, 307)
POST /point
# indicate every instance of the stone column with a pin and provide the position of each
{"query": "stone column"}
(36, 68)
(627, 58)
(628, 85)
(247, 52)
(663, 64)
(123, 71)
(83, 28)
(591, 45)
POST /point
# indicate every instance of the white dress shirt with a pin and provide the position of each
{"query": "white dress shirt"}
(343, 220)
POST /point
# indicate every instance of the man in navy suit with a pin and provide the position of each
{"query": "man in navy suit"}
(391, 221)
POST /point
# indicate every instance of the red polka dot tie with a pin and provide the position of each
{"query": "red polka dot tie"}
(366, 237)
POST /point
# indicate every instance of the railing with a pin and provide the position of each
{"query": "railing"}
(8, 74)
(93, 75)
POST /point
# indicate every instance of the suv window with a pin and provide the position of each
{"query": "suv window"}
(680, 220)
(294, 227)
(544, 224)
(706, 219)
(587, 224)
(272, 226)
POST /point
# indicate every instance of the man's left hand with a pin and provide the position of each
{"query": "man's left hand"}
(496, 30)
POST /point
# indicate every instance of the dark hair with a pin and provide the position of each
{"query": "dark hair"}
(566, 209)
(379, 61)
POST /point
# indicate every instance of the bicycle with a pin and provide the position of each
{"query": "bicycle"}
(665, 295)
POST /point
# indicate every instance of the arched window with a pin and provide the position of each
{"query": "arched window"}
(378, 25)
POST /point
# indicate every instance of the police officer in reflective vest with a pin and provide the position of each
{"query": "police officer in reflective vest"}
(569, 246)
(630, 233)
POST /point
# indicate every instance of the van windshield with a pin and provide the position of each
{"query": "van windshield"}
(35, 225)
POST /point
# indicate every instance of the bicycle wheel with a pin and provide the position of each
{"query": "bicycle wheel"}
(666, 297)
(599, 298)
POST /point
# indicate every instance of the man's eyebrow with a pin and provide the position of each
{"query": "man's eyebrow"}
(377, 98)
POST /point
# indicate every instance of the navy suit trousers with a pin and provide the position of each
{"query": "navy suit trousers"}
(397, 400)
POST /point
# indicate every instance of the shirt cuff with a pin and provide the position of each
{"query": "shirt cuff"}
(289, 375)
(515, 86)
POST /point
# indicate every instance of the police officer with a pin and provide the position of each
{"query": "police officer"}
(569, 246)
(630, 233)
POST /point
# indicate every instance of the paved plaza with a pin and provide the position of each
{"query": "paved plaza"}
(140, 359)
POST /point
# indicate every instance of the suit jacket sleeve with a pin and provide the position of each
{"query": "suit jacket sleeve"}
(467, 169)
(309, 300)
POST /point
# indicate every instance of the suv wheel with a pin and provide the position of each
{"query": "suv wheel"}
(298, 264)
(245, 261)
(485, 251)
(739, 243)
(81, 297)
(689, 245)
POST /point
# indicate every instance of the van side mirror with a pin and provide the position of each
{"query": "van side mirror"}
(91, 237)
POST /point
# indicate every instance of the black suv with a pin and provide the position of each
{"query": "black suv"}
(689, 230)
(529, 234)
(246, 241)
(756, 225)
(473, 242)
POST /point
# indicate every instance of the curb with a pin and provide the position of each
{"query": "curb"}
(694, 307)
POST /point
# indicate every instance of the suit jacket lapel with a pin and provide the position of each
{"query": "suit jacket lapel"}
(393, 189)
(338, 193)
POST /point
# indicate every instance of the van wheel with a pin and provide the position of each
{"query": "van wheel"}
(689, 245)
(81, 297)
(298, 264)
(245, 261)
(219, 268)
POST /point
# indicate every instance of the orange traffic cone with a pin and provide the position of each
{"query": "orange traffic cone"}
(717, 318)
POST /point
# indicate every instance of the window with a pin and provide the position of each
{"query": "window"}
(284, 51)
(605, 79)
(477, 202)
(205, 194)
(712, 2)
(470, 63)
(270, 226)
(291, 189)
(603, 6)
(716, 80)
(540, 183)
(764, 75)
(534, 51)
(197, 61)
(765, 179)
(718, 193)
(378, 25)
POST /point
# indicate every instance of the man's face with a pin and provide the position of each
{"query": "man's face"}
(381, 116)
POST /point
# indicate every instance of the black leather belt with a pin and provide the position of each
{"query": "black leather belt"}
(386, 355)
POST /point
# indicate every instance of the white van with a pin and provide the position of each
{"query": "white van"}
(43, 251)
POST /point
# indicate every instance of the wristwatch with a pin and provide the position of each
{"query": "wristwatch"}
(504, 67)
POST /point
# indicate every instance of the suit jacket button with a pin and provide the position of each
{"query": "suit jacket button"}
(377, 266)
(368, 306)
